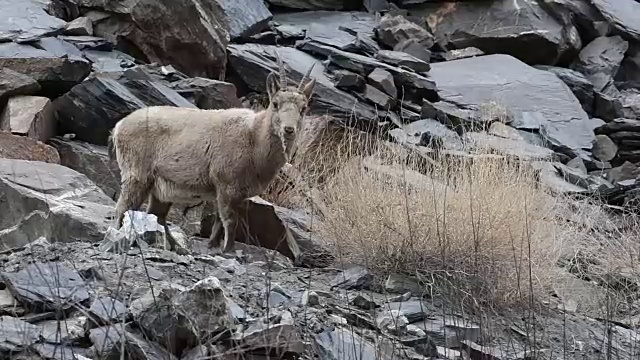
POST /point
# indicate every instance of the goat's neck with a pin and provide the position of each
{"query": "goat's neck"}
(271, 151)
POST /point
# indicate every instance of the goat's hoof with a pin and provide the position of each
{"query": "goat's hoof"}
(182, 251)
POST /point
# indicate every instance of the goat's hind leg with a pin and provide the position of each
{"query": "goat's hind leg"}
(228, 213)
(132, 194)
(161, 210)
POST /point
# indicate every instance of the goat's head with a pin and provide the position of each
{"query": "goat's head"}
(288, 104)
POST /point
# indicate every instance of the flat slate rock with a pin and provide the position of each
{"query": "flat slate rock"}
(16, 334)
(47, 287)
(352, 21)
(524, 30)
(245, 17)
(14, 83)
(25, 148)
(623, 14)
(538, 100)
(26, 20)
(577, 82)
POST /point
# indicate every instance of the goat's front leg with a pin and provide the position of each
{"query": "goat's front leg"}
(228, 214)
(132, 195)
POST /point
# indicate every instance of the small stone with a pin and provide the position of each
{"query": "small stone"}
(604, 148)
(347, 80)
(363, 303)
(377, 97)
(383, 81)
(82, 26)
(353, 278)
(578, 164)
(106, 310)
(400, 298)
(505, 131)
(393, 321)
(397, 283)
(30, 116)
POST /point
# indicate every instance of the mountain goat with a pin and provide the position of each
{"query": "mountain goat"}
(182, 155)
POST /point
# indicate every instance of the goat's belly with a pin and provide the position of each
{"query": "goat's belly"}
(167, 191)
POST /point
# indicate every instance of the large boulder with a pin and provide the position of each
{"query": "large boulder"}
(30, 116)
(253, 63)
(189, 34)
(537, 100)
(54, 74)
(577, 82)
(584, 15)
(525, 31)
(14, 83)
(92, 108)
(600, 60)
(623, 14)
(318, 4)
(50, 200)
(25, 148)
(26, 20)
(90, 160)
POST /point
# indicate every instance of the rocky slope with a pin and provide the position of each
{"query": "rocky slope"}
(555, 83)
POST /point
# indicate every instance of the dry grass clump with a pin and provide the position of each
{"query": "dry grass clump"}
(481, 228)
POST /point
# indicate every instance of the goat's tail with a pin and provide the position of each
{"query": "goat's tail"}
(111, 150)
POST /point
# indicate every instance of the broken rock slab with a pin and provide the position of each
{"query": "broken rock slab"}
(24, 21)
(494, 27)
(55, 75)
(537, 99)
(623, 14)
(394, 30)
(207, 93)
(13, 83)
(90, 160)
(50, 200)
(517, 148)
(30, 116)
(48, 286)
(577, 82)
(16, 334)
(198, 32)
(429, 133)
(24, 148)
(600, 60)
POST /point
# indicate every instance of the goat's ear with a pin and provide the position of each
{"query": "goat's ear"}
(272, 84)
(308, 89)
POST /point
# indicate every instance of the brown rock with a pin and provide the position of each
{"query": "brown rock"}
(24, 148)
(30, 116)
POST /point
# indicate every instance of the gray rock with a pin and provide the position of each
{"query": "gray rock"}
(619, 125)
(106, 310)
(58, 47)
(604, 148)
(450, 331)
(86, 43)
(578, 83)
(413, 310)
(13, 83)
(30, 116)
(352, 22)
(373, 6)
(197, 47)
(24, 148)
(82, 26)
(317, 4)
(178, 320)
(398, 58)
(106, 338)
(49, 286)
(465, 117)
(622, 14)
(586, 17)
(134, 345)
(244, 17)
(600, 60)
(427, 132)
(52, 201)
(69, 332)
(17, 334)
(281, 337)
(349, 81)
(400, 284)
(500, 129)
(109, 61)
(24, 21)
(393, 30)
(363, 303)
(464, 53)
(607, 107)
(537, 99)
(253, 63)
(90, 160)
(516, 148)
(207, 93)
(494, 27)
(416, 87)
(338, 344)
(414, 48)
(354, 278)
(549, 176)
(379, 99)
(578, 164)
(58, 352)
(630, 69)
(630, 103)
(91, 109)
(626, 171)
(54, 74)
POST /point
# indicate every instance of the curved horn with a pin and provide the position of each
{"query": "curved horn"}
(283, 75)
(306, 77)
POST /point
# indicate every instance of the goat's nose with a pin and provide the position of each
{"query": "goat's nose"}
(289, 129)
